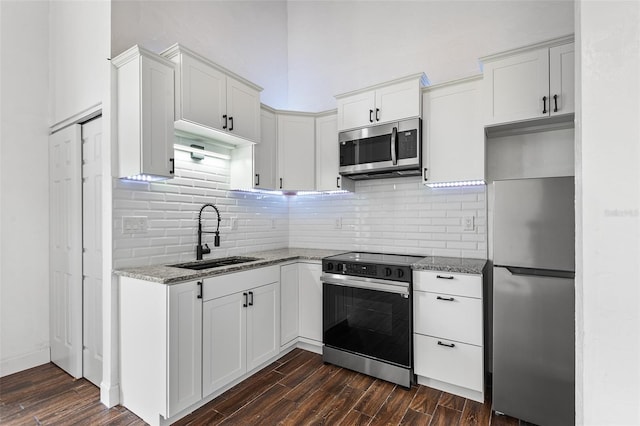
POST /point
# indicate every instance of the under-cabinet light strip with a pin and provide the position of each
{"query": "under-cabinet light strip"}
(456, 184)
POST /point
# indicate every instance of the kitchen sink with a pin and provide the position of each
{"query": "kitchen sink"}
(215, 263)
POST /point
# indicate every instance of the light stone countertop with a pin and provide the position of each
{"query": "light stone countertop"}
(165, 274)
(450, 264)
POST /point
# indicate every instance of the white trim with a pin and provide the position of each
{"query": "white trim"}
(423, 80)
(535, 46)
(79, 118)
(24, 362)
(454, 389)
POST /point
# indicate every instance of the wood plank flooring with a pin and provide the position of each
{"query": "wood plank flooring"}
(297, 389)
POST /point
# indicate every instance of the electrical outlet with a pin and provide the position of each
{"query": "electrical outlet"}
(234, 223)
(468, 223)
(134, 224)
(338, 224)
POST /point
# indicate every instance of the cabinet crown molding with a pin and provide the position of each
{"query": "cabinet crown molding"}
(134, 53)
(178, 49)
(423, 81)
(463, 80)
(541, 45)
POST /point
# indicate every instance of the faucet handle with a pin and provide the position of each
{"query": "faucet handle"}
(206, 249)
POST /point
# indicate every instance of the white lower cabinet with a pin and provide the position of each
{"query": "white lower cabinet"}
(448, 332)
(310, 300)
(240, 330)
(160, 347)
(179, 343)
(289, 315)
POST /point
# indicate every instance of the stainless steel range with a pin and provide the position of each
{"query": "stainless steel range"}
(368, 313)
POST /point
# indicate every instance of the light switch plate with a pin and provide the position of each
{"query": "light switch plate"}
(468, 223)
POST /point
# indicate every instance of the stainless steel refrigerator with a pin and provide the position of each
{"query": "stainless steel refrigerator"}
(533, 300)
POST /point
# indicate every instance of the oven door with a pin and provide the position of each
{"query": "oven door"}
(368, 318)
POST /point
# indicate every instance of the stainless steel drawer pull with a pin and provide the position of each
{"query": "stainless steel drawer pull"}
(448, 299)
(450, 345)
(445, 277)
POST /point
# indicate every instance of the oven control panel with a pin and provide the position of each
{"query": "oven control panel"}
(391, 272)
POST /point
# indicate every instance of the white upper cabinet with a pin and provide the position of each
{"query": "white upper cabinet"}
(296, 151)
(382, 103)
(265, 153)
(535, 82)
(453, 132)
(212, 101)
(562, 80)
(327, 155)
(144, 109)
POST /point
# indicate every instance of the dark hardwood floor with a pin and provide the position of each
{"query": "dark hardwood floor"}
(297, 389)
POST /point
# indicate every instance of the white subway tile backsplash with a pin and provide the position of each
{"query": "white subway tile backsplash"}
(392, 215)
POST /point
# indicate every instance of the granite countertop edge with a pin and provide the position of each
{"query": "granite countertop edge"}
(164, 274)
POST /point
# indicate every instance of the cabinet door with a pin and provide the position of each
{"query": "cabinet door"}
(288, 303)
(157, 117)
(310, 301)
(454, 138)
(561, 84)
(243, 110)
(202, 93)
(296, 147)
(263, 324)
(223, 341)
(515, 87)
(327, 156)
(397, 102)
(265, 152)
(356, 110)
(185, 346)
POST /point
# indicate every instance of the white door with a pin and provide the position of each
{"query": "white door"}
(356, 111)
(203, 93)
(288, 303)
(397, 101)
(65, 180)
(243, 108)
(310, 293)
(92, 249)
(185, 345)
(562, 79)
(223, 341)
(296, 147)
(263, 324)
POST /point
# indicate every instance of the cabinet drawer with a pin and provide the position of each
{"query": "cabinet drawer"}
(224, 285)
(448, 283)
(460, 365)
(452, 317)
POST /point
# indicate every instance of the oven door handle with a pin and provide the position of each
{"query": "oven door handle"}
(366, 283)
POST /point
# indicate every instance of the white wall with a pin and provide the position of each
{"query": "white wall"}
(79, 47)
(397, 215)
(24, 187)
(608, 213)
(339, 46)
(246, 37)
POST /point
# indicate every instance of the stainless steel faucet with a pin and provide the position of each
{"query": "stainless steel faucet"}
(200, 250)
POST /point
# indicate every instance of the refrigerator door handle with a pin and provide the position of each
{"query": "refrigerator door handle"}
(514, 270)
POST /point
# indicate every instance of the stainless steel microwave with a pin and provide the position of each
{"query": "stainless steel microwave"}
(386, 150)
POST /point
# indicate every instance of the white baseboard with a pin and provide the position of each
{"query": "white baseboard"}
(309, 345)
(454, 389)
(24, 362)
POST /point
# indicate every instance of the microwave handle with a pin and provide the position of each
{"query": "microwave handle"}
(394, 151)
